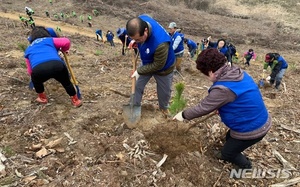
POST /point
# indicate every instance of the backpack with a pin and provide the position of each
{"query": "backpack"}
(232, 49)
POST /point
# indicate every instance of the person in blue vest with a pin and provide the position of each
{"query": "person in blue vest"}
(238, 101)
(157, 56)
(177, 44)
(110, 38)
(192, 46)
(99, 34)
(44, 63)
(278, 66)
(222, 47)
(125, 39)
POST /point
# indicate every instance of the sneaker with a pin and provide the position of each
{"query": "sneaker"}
(75, 101)
(42, 98)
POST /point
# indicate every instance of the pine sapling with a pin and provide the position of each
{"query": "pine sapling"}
(178, 102)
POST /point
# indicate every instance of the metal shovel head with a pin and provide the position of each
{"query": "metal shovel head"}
(261, 83)
(131, 115)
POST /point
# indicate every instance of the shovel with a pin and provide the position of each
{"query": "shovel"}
(131, 112)
(72, 75)
(261, 82)
(200, 121)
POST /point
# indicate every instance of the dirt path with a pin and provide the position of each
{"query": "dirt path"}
(65, 27)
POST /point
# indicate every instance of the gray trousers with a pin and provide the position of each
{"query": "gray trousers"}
(163, 88)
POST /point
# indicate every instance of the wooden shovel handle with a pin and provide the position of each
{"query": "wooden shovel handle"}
(200, 121)
(134, 64)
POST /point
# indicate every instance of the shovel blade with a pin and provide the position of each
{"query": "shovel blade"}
(131, 115)
(261, 83)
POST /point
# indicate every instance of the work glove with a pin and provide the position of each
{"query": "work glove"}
(136, 75)
(229, 64)
(268, 78)
(132, 44)
(264, 70)
(178, 116)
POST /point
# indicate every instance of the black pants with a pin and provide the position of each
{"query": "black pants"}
(233, 148)
(52, 69)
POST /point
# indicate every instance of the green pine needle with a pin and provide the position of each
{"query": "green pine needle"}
(178, 102)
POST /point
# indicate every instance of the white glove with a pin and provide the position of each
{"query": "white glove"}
(178, 116)
(229, 64)
(268, 78)
(132, 44)
(264, 70)
(136, 75)
(189, 53)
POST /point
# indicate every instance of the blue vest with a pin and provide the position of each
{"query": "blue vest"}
(41, 50)
(191, 44)
(248, 111)
(284, 64)
(122, 38)
(180, 46)
(223, 50)
(158, 36)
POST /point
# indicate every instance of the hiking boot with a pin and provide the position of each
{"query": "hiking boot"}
(42, 98)
(166, 113)
(75, 101)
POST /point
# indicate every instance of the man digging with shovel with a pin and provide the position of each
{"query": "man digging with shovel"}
(158, 59)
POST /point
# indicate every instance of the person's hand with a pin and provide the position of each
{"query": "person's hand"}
(132, 44)
(178, 116)
(264, 70)
(268, 78)
(136, 75)
(208, 38)
(229, 64)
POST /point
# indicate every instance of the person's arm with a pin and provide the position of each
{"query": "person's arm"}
(29, 70)
(176, 42)
(62, 43)
(160, 58)
(217, 97)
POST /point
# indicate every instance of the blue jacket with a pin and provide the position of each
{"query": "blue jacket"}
(158, 36)
(250, 112)
(41, 50)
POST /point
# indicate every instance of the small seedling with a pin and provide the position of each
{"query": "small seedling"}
(178, 102)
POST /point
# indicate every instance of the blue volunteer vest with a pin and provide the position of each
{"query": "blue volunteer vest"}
(248, 111)
(284, 64)
(158, 36)
(41, 50)
(180, 46)
(192, 44)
